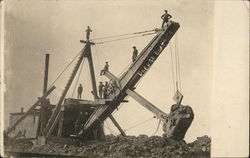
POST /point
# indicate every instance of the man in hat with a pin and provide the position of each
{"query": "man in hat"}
(88, 30)
(106, 68)
(135, 53)
(100, 88)
(105, 90)
(165, 17)
(79, 90)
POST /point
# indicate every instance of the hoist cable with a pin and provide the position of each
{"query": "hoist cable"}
(78, 78)
(178, 59)
(113, 36)
(98, 60)
(177, 64)
(176, 67)
(138, 124)
(123, 70)
(119, 39)
(157, 127)
(172, 66)
(64, 70)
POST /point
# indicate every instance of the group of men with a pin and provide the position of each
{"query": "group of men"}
(103, 89)
(107, 88)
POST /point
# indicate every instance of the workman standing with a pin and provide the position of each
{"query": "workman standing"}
(106, 68)
(165, 17)
(135, 53)
(79, 90)
(88, 30)
(78, 122)
(81, 119)
(100, 88)
(105, 90)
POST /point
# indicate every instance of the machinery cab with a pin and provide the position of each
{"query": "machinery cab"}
(75, 113)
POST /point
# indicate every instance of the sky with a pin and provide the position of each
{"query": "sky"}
(33, 29)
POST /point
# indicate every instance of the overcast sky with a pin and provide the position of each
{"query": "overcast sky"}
(55, 27)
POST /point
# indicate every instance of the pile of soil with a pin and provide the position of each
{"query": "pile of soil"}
(119, 146)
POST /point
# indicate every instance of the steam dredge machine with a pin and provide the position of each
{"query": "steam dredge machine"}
(58, 121)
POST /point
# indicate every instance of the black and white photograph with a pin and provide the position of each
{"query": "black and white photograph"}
(124, 78)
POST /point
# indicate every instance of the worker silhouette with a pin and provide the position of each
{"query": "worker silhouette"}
(100, 89)
(79, 90)
(106, 68)
(81, 119)
(165, 17)
(88, 30)
(105, 90)
(135, 53)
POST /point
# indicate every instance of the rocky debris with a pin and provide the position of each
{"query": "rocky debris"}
(119, 146)
(178, 121)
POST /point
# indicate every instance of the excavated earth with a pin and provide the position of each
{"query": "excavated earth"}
(119, 146)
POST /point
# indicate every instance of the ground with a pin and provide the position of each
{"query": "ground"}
(119, 146)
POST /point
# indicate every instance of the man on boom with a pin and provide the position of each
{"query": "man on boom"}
(165, 17)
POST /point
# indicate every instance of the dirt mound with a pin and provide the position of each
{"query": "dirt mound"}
(118, 146)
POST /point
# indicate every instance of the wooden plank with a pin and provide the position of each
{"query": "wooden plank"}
(156, 111)
(60, 126)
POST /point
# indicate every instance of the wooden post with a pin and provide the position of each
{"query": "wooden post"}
(92, 72)
(46, 71)
(117, 125)
(42, 120)
(55, 116)
(60, 126)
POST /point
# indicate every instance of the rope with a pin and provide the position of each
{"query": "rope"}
(123, 70)
(125, 38)
(125, 34)
(178, 59)
(176, 66)
(138, 124)
(157, 127)
(98, 60)
(178, 76)
(77, 78)
(64, 70)
(172, 65)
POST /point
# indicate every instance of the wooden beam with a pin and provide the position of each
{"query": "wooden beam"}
(156, 111)
(112, 77)
(46, 71)
(60, 126)
(117, 125)
(92, 72)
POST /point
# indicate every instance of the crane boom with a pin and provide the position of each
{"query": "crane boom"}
(137, 70)
(55, 116)
(148, 56)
